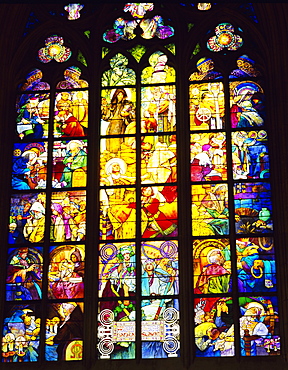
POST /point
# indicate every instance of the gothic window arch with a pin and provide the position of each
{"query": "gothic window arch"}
(140, 176)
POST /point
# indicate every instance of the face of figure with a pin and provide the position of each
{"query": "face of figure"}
(217, 257)
(149, 266)
(115, 168)
(37, 215)
(23, 255)
(120, 96)
(73, 258)
(220, 194)
(27, 320)
(12, 228)
(26, 208)
(64, 96)
(33, 103)
(147, 192)
(126, 257)
(67, 308)
(157, 93)
(74, 148)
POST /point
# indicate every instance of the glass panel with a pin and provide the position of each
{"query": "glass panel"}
(224, 38)
(118, 170)
(72, 79)
(159, 269)
(117, 281)
(160, 330)
(158, 71)
(117, 271)
(259, 326)
(214, 328)
(138, 51)
(210, 210)
(119, 74)
(34, 81)
(27, 218)
(29, 167)
(205, 71)
(117, 213)
(118, 116)
(247, 107)
(24, 274)
(69, 164)
(158, 109)
(159, 159)
(32, 116)
(66, 272)
(159, 217)
(246, 68)
(208, 157)
(71, 114)
(64, 331)
(253, 208)
(21, 333)
(207, 106)
(250, 155)
(116, 330)
(256, 266)
(68, 216)
(212, 266)
(54, 49)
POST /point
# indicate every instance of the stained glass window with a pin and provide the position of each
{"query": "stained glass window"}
(141, 195)
(235, 148)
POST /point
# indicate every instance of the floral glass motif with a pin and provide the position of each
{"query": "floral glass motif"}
(138, 10)
(63, 316)
(224, 38)
(247, 102)
(208, 157)
(214, 328)
(21, 333)
(27, 218)
(256, 267)
(259, 326)
(138, 51)
(72, 79)
(119, 74)
(205, 71)
(24, 274)
(54, 49)
(29, 168)
(124, 29)
(246, 68)
(74, 11)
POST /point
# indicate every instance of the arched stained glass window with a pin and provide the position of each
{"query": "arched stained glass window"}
(140, 199)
